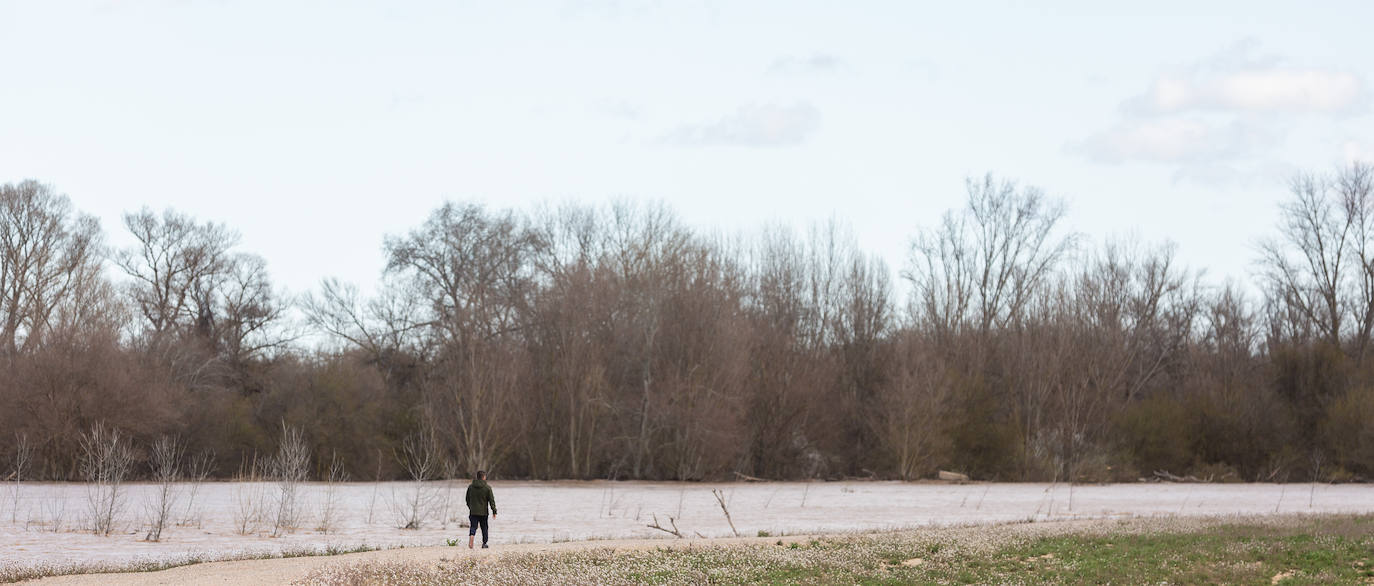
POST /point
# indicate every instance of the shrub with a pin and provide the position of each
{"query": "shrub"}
(1156, 434)
(1348, 433)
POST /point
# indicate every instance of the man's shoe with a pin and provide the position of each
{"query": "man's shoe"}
(484, 546)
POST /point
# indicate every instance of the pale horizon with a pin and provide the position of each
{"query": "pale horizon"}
(315, 133)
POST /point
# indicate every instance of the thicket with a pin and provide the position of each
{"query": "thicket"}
(614, 342)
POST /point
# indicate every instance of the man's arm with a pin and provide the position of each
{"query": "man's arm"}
(491, 497)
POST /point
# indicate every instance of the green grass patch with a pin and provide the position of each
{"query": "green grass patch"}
(1228, 556)
(1313, 550)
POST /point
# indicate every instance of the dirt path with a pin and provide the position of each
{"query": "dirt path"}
(288, 570)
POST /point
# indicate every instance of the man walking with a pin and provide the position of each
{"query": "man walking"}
(478, 497)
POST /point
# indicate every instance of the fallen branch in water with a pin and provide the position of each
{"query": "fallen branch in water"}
(720, 498)
(660, 527)
(1165, 475)
(748, 478)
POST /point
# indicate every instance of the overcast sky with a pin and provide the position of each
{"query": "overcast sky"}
(316, 128)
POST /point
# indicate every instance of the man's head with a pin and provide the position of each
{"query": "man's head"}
(481, 475)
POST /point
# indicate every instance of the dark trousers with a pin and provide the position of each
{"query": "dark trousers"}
(473, 522)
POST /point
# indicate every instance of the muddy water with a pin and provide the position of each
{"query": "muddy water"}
(49, 518)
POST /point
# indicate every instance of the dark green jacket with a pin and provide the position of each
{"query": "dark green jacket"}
(479, 494)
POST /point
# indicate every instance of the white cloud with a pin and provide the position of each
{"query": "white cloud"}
(1173, 140)
(1241, 79)
(1223, 119)
(1255, 90)
(767, 125)
(1213, 175)
(814, 63)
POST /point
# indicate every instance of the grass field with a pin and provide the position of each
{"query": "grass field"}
(1249, 550)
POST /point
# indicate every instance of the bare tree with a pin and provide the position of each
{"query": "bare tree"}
(329, 509)
(289, 468)
(378, 326)
(1102, 338)
(703, 365)
(473, 272)
(610, 342)
(645, 248)
(419, 457)
(165, 460)
(567, 409)
(376, 484)
(916, 408)
(197, 470)
(250, 500)
(1320, 269)
(1355, 186)
(471, 268)
(1141, 303)
(54, 511)
(105, 461)
(863, 323)
(48, 254)
(788, 369)
(250, 312)
(448, 474)
(568, 342)
(982, 265)
(471, 391)
(174, 255)
(23, 456)
(207, 310)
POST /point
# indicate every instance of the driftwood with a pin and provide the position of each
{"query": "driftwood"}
(748, 478)
(1165, 476)
(660, 527)
(720, 498)
(953, 476)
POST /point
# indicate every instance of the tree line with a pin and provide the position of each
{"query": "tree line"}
(575, 341)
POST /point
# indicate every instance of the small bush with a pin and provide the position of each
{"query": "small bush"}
(1348, 433)
(1155, 434)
